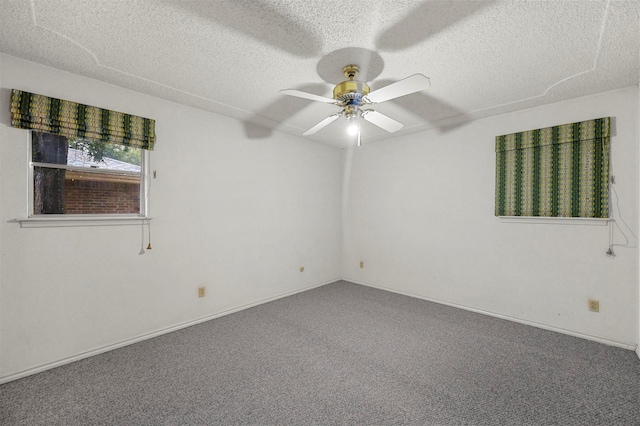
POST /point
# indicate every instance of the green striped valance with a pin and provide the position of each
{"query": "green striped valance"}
(74, 120)
(560, 171)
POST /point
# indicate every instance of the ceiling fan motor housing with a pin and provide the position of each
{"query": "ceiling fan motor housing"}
(350, 92)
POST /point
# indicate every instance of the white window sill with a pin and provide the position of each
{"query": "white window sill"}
(70, 220)
(590, 221)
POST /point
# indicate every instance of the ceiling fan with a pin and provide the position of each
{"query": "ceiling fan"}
(352, 95)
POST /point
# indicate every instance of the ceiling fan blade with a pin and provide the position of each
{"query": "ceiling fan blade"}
(305, 95)
(382, 121)
(412, 84)
(330, 119)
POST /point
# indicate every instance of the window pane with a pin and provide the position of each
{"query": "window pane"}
(111, 184)
(48, 148)
(103, 155)
(58, 191)
(48, 193)
(54, 149)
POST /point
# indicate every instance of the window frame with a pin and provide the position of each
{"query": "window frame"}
(48, 220)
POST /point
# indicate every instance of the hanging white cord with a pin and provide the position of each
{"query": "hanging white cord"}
(613, 221)
(149, 227)
(142, 239)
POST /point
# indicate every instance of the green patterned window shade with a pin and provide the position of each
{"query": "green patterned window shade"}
(74, 120)
(560, 171)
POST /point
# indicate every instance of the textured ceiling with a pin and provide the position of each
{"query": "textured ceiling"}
(233, 56)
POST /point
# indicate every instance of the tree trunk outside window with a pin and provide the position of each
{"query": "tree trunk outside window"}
(49, 183)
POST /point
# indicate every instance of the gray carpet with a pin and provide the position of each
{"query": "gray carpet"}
(340, 354)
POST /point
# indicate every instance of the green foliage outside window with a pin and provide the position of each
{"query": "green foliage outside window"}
(100, 149)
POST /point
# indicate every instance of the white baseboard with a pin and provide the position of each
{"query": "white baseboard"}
(638, 350)
(103, 349)
(629, 346)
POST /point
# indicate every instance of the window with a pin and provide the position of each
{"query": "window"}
(84, 177)
(558, 172)
(85, 161)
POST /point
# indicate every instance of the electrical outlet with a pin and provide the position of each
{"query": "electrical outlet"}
(202, 291)
(302, 269)
(594, 305)
(361, 264)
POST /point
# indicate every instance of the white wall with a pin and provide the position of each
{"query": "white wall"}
(235, 214)
(420, 213)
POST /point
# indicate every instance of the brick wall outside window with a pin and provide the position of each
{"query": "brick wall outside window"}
(95, 197)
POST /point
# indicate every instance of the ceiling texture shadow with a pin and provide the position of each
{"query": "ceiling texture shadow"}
(427, 107)
(426, 20)
(261, 124)
(330, 67)
(256, 19)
